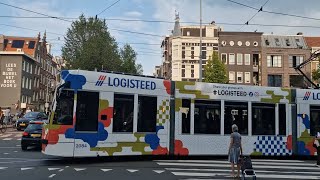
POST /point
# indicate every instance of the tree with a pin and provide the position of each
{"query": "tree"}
(89, 46)
(316, 75)
(128, 57)
(215, 70)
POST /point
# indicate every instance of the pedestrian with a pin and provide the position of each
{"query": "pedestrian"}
(28, 110)
(317, 146)
(235, 150)
(7, 115)
(1, 116)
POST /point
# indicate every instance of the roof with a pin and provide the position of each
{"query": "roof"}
(24, 44)
(278, 41)
(312, 41)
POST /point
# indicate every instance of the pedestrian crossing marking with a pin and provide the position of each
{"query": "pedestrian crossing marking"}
(105, 170)
(132, 170)
(7, 139)
(267, 169)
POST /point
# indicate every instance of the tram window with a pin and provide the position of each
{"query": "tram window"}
(63, 114)
(123, 113)
(207, 117)
(186, 116)
(282, 119)
(87, 111)
(263, 119)
(236, 113)
(314, 120)
(147, 114)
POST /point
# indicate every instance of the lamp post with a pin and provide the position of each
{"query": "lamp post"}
(200, 59)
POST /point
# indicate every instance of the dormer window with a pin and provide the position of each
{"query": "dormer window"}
(267, 42)
(277, 41)
(298, 43)
(288, 42)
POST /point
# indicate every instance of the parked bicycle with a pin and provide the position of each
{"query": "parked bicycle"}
(3, 127)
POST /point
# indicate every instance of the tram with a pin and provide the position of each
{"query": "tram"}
(111, 114)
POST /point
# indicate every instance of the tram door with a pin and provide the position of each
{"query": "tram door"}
(86, 128)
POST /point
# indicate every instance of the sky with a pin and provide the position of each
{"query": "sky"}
(147, 46)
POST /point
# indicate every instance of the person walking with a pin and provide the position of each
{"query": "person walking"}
(235, 150)
(1, 116)
(7, 115)
(317, 146)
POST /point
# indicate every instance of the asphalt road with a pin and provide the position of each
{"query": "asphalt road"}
(32, 165)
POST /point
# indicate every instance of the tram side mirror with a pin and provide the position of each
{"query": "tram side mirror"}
(104, 117)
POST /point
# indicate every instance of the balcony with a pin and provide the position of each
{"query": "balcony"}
(255, 68)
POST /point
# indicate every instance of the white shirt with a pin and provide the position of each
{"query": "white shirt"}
(7, 112)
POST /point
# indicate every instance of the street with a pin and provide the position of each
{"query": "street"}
(32, 164)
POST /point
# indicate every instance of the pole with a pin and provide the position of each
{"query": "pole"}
(47, 96)
(200, 60)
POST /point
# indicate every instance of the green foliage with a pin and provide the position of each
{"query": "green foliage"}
(128, 58)
(316, 75)
(215, 70)
(89, 46)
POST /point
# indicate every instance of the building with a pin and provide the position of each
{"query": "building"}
(27, 72)
(181, 50)
(280, 54)
(314, 44)
(241, 52)
(157, 71)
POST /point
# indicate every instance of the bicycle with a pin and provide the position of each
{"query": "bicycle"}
(3, 127)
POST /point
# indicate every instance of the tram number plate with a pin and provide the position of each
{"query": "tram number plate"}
(81, 145)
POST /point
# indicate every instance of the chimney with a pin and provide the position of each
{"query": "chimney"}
(299, 33)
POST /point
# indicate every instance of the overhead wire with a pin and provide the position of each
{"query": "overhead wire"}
(247, 22)
(273, 12)
(108, 7)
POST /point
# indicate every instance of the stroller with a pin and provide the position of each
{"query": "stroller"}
(247, 171)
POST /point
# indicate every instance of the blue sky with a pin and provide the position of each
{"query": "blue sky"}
(221, 11)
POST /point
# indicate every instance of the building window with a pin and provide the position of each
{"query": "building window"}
(24, 65)
(23, 81)
(247, 77)
(236, 113)
(231, 76)
(147, 114)
(192, 73)
(17, 43)
(183, 73)
(30, 68)
(27, 83)
(224, 58)
(275, 80)
(239, 59)
(31, 45)
(207, 117)
(295, 61)
(239, 77)
(263, 119)
(296, 81)
(30, 83)
(277, 41)
(247, 59)
(274, 61)
(231, 59)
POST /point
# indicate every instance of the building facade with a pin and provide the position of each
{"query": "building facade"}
(280, 54)
(181, 51)
(26, 68)
(241, 53)
(314, 44)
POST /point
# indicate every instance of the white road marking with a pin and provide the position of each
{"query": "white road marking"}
(18, 145)
(80, 169)
(132, 170)
(9, 147)
(28, 168)
(51, 176)
(4, 136)
(105, 170)
(18, 135)
(15, 151)
(7, 139)
(53, 169)
(19, 139)
(61, 170)
(228, 165)
(3, 168)
(158, 171)
(6, 153)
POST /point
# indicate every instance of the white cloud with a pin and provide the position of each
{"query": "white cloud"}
(133, 14)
